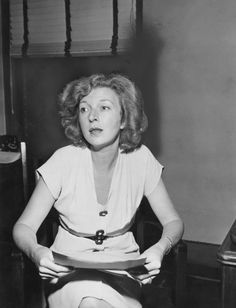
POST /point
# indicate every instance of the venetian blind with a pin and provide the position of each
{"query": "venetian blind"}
(92, 25)
(16, 27)
(58, 27)
(46, 26)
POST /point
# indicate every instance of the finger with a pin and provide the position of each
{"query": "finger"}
(47, 272)
(43, 271)
(147, 280)
(143, 277)
(147, 255)
(62, 269)
(154, 265)
(47, 276)
(54, 281)
(49, 264)
(154, 272)
(62, 274)
(151, 274)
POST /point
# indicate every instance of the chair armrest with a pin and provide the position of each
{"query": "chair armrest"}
(147, 233)
(180, 259)
(11, 276)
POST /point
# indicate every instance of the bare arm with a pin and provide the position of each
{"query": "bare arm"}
(163, 208)
(172, 230)
(26, 227)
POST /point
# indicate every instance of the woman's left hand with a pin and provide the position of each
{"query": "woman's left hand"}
(154, 256)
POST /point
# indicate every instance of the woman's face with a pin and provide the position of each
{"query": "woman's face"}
(100, 118)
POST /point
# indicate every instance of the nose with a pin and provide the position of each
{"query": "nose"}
(93, 115)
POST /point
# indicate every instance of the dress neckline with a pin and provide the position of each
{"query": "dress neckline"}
(111, 182)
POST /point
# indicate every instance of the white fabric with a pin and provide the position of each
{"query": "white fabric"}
(69, 176)
(71, 295)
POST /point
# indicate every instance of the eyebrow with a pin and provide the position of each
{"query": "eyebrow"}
(101, 100)
(105, 100)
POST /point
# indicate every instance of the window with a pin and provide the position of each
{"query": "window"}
(58, 27)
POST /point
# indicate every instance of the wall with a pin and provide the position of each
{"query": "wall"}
(2, 109)
(189, 89)
(197, 92)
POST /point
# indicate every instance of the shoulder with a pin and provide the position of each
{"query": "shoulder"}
(141, 153)
(68, 155)
(65, 159)
(143, 158)
(69, 151)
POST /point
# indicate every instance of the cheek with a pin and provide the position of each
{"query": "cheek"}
(116, 124)
(82, 124)
(81, 120)
(117, 118)
(114, 118)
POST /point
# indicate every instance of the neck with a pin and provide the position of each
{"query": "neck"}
(105, 159)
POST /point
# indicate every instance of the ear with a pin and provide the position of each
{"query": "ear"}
(122, 126)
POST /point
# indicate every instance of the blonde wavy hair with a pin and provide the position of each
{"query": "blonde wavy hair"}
(130, 99)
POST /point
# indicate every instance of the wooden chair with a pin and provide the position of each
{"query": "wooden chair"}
(12, 196)
(168, 289)
(19, 280)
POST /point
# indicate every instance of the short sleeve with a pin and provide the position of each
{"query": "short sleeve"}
(153, 173)
(52, 171)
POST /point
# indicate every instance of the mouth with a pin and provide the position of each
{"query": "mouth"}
(95, 130)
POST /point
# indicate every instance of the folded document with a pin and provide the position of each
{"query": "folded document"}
(100, 260)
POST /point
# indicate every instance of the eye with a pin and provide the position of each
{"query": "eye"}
(83, 109)
(104, 107)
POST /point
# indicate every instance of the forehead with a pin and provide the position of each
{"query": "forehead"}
(101, 94)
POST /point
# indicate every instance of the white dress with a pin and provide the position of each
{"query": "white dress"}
(69, 177)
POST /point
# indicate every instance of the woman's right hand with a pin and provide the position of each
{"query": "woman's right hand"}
(48, 269)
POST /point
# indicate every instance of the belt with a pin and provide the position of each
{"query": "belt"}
(100, 235)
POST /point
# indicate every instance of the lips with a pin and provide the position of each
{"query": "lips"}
(95, 130)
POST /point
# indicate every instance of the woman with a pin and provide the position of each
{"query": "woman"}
(96, 185)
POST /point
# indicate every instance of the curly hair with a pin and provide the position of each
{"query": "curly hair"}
(130, 99)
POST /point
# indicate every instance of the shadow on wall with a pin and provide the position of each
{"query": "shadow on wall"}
(145, 55)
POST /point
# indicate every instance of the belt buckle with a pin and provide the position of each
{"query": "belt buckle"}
(99, 237)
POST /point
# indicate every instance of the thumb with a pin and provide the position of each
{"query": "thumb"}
(50, 255)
